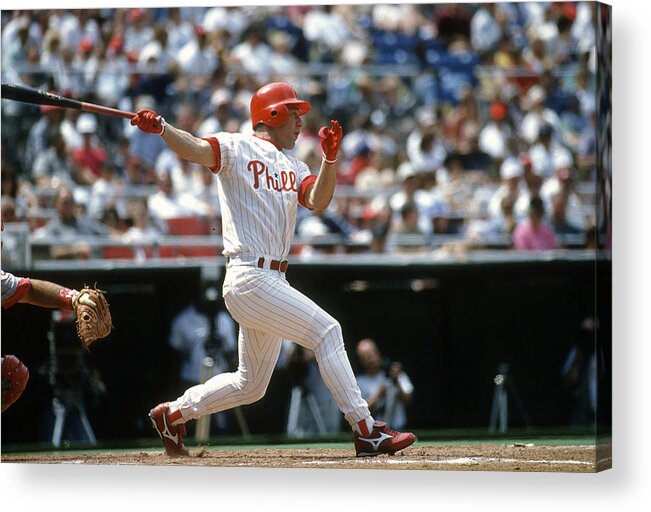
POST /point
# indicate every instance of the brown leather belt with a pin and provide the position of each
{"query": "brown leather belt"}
(274, 264)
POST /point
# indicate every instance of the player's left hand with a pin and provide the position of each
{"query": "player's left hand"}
(331, 140)
(149, 121)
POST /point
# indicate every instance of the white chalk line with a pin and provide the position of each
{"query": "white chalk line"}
(459, 461)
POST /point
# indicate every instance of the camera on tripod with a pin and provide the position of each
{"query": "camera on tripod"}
(69, 376)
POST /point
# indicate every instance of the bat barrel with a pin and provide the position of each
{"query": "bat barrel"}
(36, 97)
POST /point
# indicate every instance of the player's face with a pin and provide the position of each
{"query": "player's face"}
(286, 134)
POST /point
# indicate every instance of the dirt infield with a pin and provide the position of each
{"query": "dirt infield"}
(480, 457)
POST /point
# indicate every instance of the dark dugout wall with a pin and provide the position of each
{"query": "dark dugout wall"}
(451, 325)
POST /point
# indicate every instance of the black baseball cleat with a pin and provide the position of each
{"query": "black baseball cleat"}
(382, 440)
(171, 435)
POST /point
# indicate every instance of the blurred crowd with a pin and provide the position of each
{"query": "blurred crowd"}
(480, 123)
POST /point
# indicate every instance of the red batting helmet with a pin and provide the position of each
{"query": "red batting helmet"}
(269, 104)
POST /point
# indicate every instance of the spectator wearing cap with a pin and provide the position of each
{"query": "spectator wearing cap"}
(533, 233)
(138, 32)
(511, 174)
(88, 63)
(495, 134)
(563, 182)
(88, 160)
(537, 114)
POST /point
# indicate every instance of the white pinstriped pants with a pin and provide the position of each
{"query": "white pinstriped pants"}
(269, 310)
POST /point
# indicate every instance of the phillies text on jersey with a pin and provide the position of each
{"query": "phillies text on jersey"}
(260, 189)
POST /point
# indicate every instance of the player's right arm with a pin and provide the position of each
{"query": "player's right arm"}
(184, 144)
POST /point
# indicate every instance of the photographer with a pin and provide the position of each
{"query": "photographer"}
(204, 329)
(385, 386)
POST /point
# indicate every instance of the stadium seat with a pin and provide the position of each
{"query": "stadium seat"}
(194, 225)
(201, 251)
(118, 252)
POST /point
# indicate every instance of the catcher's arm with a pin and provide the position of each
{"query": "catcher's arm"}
(51, 295)
(89, 304)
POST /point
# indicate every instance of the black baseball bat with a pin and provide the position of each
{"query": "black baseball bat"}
(34, 96)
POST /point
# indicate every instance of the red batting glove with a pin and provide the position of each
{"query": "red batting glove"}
(149, 121)
(330, 141)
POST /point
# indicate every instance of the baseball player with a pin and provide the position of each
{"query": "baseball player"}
(39, 293)
(260, 188)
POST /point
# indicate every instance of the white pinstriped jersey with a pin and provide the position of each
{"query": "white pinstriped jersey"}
(260, 188)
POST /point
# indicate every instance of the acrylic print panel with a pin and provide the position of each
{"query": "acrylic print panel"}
(463, 262)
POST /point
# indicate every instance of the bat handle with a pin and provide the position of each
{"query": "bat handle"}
(107, 111)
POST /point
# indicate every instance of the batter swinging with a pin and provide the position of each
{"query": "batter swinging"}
(260, 188)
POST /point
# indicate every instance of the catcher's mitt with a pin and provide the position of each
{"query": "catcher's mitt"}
(14, 379)
(93, 315)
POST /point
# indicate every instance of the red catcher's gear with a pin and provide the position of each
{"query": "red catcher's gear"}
(14, 380)
(269, 104)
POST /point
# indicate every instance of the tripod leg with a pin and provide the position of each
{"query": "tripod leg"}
(202, 429)
(294, 412)
(86, 424)
(504, 411)
(241, 421)
(316, 413)
(59, 411)
(495, 408)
